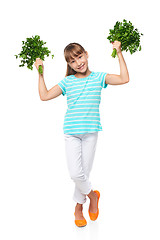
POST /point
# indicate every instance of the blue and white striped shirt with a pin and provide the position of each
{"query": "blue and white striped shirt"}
(83, 99)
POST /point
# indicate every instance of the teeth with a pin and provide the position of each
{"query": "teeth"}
(81, 66)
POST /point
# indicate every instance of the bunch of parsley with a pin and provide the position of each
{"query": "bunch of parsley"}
(33, 48)
(125, 33)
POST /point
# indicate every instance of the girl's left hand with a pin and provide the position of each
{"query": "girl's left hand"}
(117, 46)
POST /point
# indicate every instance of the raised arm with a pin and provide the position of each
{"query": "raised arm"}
(43, 92)
(48, 94)
(123, 78)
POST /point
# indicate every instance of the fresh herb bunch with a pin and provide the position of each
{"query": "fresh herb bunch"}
(125, 33)
(31, 49)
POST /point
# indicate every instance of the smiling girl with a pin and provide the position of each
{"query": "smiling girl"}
(82, 119)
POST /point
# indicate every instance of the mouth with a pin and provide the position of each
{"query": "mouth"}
(81, 67)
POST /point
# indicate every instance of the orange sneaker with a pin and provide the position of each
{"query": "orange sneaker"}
(94, 216)
(80, 223)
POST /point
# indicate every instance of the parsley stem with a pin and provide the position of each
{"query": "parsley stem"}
(40, 70)
(114, 53)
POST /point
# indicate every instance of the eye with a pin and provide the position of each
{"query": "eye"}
(80, 56)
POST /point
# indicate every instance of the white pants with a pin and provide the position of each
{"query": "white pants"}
(80, 151)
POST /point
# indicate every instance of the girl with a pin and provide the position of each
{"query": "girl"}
(82, 120)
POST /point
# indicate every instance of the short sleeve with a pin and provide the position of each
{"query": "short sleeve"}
(102, 79)
(62, 85)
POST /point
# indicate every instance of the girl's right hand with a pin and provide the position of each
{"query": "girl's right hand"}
(39, 62)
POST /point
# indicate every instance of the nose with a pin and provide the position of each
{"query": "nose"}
(78, 62)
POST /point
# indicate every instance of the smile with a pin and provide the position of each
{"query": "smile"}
(81, 66)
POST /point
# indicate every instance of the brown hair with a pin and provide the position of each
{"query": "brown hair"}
(72, 50)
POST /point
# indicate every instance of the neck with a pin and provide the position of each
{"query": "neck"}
(83, 75)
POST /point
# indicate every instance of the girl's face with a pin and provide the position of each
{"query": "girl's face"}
(80, 63)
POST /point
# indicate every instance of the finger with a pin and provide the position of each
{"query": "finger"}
(40, 61)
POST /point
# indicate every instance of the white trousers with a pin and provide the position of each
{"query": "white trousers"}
(80, 151)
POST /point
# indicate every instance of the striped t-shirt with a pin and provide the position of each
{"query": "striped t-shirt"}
(83, 99)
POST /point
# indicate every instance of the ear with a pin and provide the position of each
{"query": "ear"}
(87, 54)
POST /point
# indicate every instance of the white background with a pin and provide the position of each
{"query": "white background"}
(35, 186)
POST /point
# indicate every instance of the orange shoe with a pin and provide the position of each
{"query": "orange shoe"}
(80, 223)
(94, 216)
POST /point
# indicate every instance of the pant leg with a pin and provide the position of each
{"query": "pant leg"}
(89, 142)
(80, 150)
(73, 146)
